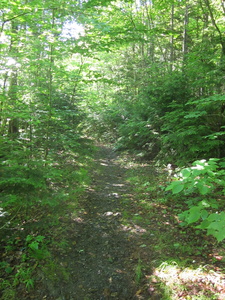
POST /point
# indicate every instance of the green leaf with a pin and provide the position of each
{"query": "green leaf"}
(204, 224)
(204, 214)
(220, 235)
(29, 238)
(215, 225)
(186, 173)
(9, 270)
(34, 245)
(40, 238)
(194, 214)
(196, 114)
(197, 172)
(203, 189)
(176, 187)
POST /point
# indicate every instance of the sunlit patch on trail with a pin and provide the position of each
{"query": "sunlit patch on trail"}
(78, 220)
(104, 164)
(116, 195)
(111, 214)
(134, 229)
(118, 184)
(179, 282)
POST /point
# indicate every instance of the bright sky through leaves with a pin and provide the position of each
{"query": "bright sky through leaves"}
(72, 30)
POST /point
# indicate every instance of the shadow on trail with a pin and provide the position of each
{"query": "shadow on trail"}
(103, 263)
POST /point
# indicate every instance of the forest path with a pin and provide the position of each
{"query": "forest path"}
(120, 240)
(103, 259)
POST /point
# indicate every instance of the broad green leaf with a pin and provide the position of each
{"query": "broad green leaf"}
(204, 214)
(186, 173)
(203, 189)
(215, 217)
(197, 172)
(194, 214)
(176, 187)
(204, 224)
(216, 226)
(220, 235)
(169, 187)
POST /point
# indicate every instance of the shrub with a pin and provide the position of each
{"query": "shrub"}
(203, 187)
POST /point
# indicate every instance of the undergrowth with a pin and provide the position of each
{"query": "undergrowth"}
(34, 198)
(188, 264)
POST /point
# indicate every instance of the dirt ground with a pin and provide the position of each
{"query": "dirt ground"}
(102, 260)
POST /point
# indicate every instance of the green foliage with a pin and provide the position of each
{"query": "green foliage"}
(31, 250)
(24, 275)
(9, 292)
(138, 272)
(153, 81)
(137, 135)
(187, 128)
(21, 178)
(37, 247)
(204, 180)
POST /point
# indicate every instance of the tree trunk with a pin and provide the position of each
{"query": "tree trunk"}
(172, 39)
(185, 34)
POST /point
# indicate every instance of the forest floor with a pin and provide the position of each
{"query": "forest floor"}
(122, 241)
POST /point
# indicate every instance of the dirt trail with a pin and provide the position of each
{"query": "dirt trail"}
(116, 241)
(105, 252)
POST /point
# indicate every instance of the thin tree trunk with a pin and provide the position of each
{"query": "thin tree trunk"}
(185, 34)
(50, 96)
(172, 39)
(13, 125)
